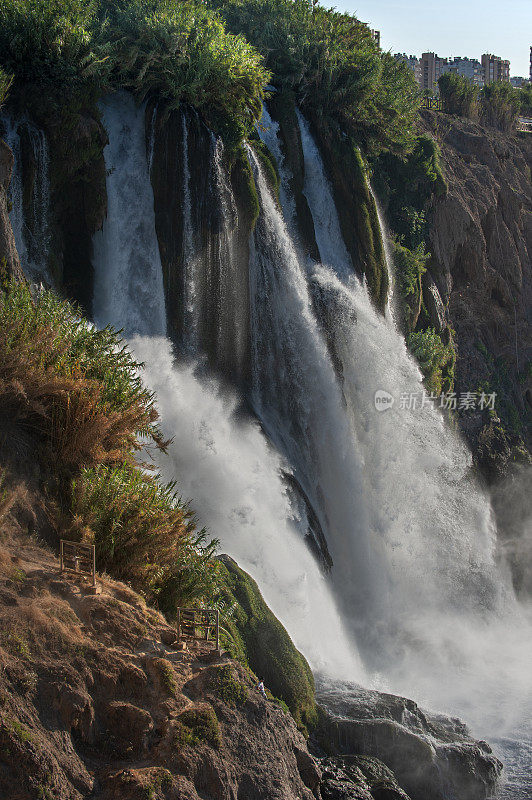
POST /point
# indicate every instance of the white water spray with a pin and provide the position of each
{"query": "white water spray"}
(449, 632)
(128, 290)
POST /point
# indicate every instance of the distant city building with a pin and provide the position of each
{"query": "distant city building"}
(432, 68)
(469, 68)
(495, 68)
(413, 62)
(518, 82)
(376, 36)
(530, 72)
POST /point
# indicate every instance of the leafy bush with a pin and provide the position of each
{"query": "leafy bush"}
(331, 62)
(436, 359)
(73, 387)
(525, 100)
(406, 183)
(48, 41)
(181, 52)
(499, 104)
(459, 95)
(76, 393)
(409, 268)
(196, 725)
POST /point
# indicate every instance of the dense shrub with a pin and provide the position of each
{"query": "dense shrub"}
(409, 268)
(75, 392)
(48, 41)
(460, 95)
(525, 100)
(406, 183)
(144, 534)
(436, 359)
(333, 65)
(75, 388)
(180, 51)
(499, 105)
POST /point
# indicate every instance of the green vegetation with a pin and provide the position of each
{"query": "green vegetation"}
(74, 388)
(144, 534)
(436, 359)
(49, 42)
(458, 94)
(405, 184)
(499, 106)
(175, 50)
(525, 100)
(197, 725)
(76, 392)
(254, 636)
(227, 687)
(410, 266)
(180, 51)
(332, 64)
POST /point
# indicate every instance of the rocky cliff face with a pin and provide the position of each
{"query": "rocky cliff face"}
(481, 246)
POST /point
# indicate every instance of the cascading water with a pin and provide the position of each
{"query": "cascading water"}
(221, 460)
(410, 534)
(128, 290)
(453, 635)
(30, 219)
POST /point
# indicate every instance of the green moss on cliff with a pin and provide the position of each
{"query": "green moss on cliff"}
(243, 184)
(410, 266)
(268, 164)
(356, 206)
(254, 636)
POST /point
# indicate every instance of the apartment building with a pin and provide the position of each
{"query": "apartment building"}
(495, 68)
(469, 68)
(432, 67)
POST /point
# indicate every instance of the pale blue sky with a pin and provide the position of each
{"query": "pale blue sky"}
(450, 27)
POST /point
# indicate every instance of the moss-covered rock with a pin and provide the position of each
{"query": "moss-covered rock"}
(253, 635)
(282, 108)
(357, 211)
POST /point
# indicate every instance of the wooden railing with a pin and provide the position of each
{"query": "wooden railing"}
(78, 558)
(524, 125)
(434, 103)
(199, 624)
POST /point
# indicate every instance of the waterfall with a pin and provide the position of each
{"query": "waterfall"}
(449, 631)
(414, 587)
(220, 458)
(128, 291)
(190, 253)
(30, 198)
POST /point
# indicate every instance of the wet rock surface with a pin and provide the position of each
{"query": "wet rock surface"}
(431, 756)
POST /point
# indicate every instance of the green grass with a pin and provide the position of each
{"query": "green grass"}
(227, 687)
(196, 726)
